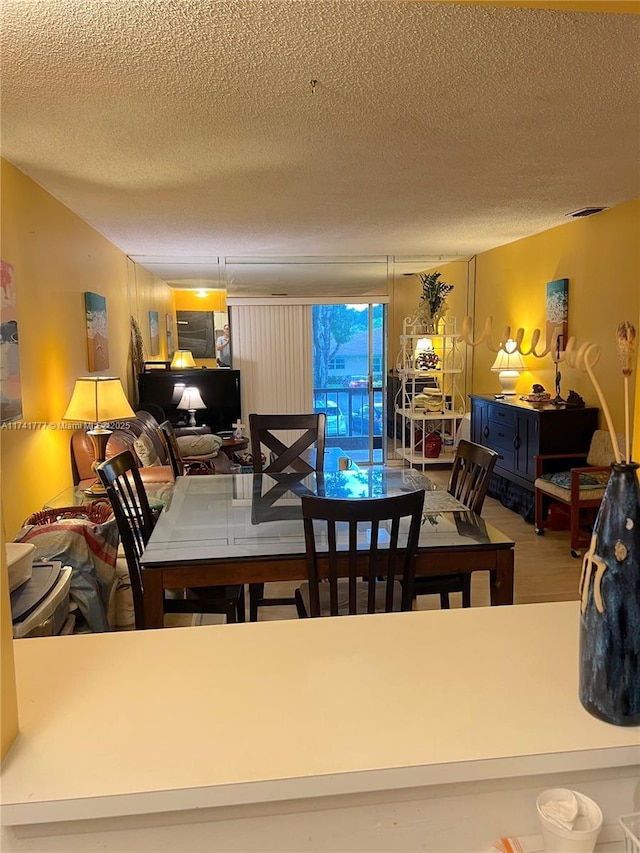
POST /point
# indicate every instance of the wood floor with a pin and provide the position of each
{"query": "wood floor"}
(544, 567)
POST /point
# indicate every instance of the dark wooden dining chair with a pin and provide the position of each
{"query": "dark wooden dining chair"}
(472, 468)
(266, 431)
(180, 465)
(376, 580)
(121, 478)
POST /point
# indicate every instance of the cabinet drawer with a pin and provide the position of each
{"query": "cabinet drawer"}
(506, 460)
(501, 436)
(502, 414)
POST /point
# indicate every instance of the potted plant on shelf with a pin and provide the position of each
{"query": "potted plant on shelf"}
(432, 306)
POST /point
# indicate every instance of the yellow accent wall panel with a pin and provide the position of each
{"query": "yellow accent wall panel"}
(600, 255)
(57, 257)
(8, 698)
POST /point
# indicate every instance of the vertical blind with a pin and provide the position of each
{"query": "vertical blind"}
(272, 347)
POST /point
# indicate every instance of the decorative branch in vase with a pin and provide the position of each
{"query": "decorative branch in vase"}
(610, 579)
(432, 306)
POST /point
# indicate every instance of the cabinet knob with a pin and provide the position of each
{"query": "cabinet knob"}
(485, 432)
(516, 442)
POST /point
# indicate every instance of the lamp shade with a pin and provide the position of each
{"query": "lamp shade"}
(96, 399)
(178, 391)
(509, 361)
(424, 344)
(182, 358)
(191, 399)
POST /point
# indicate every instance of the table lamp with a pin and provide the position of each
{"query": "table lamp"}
(191, 401)
(182, 358)
(508, 364)
(96, 400)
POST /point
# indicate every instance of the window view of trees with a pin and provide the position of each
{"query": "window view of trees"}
(341, 369)
(341, 344)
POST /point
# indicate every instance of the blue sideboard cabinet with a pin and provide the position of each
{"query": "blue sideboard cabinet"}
(520, 431)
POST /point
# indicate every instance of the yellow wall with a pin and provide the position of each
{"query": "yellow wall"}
(600, 255)
(191, 300)
(9, 704)
(56, 258)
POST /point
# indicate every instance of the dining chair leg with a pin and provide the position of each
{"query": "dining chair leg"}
(466, 590)
(444, 601)
(256, 593)
(240, 608)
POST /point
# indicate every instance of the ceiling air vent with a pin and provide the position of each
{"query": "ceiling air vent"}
(585, 211)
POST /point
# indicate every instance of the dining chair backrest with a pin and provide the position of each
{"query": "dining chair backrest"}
(378, 569)
(121, 478)
(173, 451)
(472, 468)
(280, 456)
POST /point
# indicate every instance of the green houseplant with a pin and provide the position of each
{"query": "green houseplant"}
(433, 305)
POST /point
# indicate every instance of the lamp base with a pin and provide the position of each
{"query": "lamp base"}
(99, 438)
(96, 490)
(508, 380)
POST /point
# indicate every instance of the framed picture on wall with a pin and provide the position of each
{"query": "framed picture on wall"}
(196, 333)
(10, 388)
(558, 309)
(169, 325)
(97, 331)
(154, 333)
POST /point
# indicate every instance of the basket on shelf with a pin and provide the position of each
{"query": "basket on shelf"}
(97, 512)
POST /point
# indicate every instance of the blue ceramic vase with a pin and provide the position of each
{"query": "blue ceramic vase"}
(610, 604)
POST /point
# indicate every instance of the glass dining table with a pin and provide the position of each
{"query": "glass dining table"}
(247, 528)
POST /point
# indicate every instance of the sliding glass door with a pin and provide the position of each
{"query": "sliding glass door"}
(349, 357)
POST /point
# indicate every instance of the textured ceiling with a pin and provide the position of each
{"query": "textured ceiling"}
(189, 131)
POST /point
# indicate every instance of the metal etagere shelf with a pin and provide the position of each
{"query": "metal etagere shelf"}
(430, 400)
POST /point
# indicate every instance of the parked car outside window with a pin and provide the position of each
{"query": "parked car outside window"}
(360, 420)
(336, 421)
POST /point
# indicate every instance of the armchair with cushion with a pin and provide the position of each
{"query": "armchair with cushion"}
(194, 454)
(576, 482)
(141, 438)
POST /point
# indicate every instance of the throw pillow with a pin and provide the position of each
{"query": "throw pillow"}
(586, 481)
(199, 445)
(146, 452)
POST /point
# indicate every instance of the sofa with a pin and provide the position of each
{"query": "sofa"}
(142, 438)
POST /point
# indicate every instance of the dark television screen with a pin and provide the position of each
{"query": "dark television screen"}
(219, 389)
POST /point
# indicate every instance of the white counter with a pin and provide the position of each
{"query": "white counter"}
(186, 719)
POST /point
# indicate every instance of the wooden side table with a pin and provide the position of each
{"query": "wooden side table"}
(231, 445)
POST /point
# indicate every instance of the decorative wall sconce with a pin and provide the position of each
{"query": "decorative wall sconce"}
(182, 358)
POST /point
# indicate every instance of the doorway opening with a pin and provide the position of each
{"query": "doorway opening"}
(349, 370)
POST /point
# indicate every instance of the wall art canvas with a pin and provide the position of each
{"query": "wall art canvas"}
(97, 331)
(154, 333)
(196, 333)
(558, 308)
(170, 346)
(10, 386)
